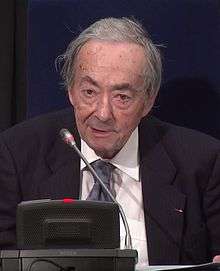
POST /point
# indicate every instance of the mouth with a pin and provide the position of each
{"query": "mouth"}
(101, 132)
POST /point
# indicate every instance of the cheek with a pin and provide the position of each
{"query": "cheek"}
(81, 109)
(131, 118)
(126, 123)
(81, 112)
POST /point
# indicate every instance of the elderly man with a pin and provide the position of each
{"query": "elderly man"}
(166, 178)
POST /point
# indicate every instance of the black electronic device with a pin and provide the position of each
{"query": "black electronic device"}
(68, 235)
(67, 223)
(68, 260)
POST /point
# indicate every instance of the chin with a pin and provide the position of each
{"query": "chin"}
(103, 148)
(104, 152)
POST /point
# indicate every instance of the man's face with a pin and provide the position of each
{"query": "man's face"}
(108, 94)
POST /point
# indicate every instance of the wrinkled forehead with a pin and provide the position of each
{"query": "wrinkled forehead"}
(111, 55)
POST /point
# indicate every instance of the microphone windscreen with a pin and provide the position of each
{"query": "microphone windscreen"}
(67, 137)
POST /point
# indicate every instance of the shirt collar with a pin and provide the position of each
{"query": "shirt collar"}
(123, 160)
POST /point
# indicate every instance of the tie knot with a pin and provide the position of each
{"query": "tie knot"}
(100, 164)
(103, 169)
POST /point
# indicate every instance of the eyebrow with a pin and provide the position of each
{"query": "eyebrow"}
(88, 79)
(121, 86)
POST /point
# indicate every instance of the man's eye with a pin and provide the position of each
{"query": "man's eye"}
(89, 92)
(124, 98)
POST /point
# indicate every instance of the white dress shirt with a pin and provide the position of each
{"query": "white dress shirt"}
(126, 185)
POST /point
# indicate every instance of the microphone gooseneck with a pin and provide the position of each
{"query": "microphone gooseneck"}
(69, 139)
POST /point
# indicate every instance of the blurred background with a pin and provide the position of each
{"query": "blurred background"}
(35, 32)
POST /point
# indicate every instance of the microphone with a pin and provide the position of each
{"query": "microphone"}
(68, 138)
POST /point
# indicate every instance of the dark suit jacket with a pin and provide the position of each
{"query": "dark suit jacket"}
(180, 172)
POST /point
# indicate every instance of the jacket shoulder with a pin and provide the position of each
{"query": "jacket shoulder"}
(182, 144)
(39, 131)
(187, 137)
(46, 123)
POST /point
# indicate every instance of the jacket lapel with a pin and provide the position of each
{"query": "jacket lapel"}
(64, 164)
(163, 204)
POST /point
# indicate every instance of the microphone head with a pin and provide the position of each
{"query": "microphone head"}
(67, 137)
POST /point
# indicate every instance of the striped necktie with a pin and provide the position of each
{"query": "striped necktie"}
(104, 171)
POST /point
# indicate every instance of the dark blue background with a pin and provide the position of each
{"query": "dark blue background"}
(188, 29)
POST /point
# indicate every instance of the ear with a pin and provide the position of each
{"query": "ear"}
(70, 95)
(150, 100)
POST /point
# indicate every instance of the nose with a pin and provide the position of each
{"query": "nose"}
(104, 108)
